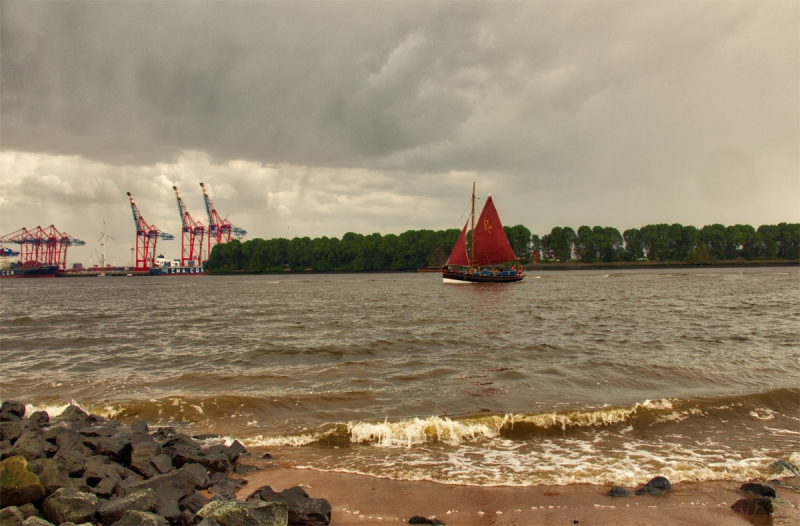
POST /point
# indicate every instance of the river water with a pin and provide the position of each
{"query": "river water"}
(567, 377)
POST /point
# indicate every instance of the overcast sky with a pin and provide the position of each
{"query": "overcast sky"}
(319, 118)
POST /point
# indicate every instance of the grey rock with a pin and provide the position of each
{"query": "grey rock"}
(138, 438)
(142, 458)
(193, 502)
(30, 445)
(10, 431)
(302, 509)
(52, 473)
(656, 486)
(784, 465)
(69, 505)
(208, 522)
(242, 469)
(139, 426)
(40, 417)
(117, 447)
(255, 513)
(169, 509)
(11, 516)
(760, 490)
(163, 433)
(6, 416)
(173, 485)
(73, 460)
(141, 518)
(13, 407)
(757, 506)
(73, 414)
(111, 511)
(163, 463)
(618, 491)
(29, 510)
(36, 521)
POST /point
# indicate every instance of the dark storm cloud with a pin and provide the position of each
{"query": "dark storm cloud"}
(365, 116)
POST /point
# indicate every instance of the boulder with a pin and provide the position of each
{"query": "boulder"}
(112, 510)
(779, 466)
(163, 433)
(755, 506)
(169, 509)
(117, 447)
(69, 505)
(30, 445)
(52, 473)
(760, 490)
(618, 491)
(243, 469)
(6, 416)
(73, 460)
(302, 509)
(173, 485)
(305, 511)
(232, 452)
(41, 418)
(36, 521)
(208, 522)
(74, 415)
(141, 518)
(163, 463)
(183, 454)
(13, 407)
(10, 431)
(18, 484)
(418, 519)
(142, 458)
(193, 502)
(29, 510)
(139, 426)
(11, 516)
(656, 486)
(255, 513)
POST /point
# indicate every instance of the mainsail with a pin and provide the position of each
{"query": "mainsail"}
(458, 257)
(489, 238)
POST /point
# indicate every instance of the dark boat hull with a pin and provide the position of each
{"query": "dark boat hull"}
(457, 277)
(177, 271)
(46, 271)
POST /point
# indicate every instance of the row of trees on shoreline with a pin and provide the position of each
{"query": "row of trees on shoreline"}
(428, 248)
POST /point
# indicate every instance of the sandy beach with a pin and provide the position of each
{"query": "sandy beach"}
(359, 499)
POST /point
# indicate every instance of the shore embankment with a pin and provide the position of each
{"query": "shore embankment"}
(83, 468)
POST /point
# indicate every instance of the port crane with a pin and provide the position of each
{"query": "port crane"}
(220, 230)
(193, 234)
(146, 238)
(44, 246)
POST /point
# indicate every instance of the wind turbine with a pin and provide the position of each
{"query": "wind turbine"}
(103, 238)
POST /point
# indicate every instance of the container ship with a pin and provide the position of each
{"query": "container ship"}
(10, 267)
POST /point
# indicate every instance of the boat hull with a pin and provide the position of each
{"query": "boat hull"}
(177, 271)
(455, 277)
(46, 271)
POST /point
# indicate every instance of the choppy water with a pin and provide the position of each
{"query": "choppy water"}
(565, 377)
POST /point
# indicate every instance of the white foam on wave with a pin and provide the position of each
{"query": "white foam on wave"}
(52, 410)
(260, 441)
(417, 431)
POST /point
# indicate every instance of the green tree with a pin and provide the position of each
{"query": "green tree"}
(519, 237)
(634, 248)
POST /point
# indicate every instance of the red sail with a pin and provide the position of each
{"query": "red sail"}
(458, 257)
(491, 243)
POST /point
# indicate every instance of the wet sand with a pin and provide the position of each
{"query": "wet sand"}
(359, 499)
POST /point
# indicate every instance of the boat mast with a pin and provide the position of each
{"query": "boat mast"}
(472, 241)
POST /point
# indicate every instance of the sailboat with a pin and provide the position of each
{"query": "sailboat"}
(488, 251)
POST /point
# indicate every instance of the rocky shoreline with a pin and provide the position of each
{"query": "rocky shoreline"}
(81, 469)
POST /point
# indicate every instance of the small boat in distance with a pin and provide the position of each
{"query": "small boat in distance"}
(488, 251)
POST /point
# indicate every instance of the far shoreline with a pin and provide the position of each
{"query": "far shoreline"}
(617, 265)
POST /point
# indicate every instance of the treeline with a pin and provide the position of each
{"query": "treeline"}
(410, 250)
(428, 248)
(671, 243)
